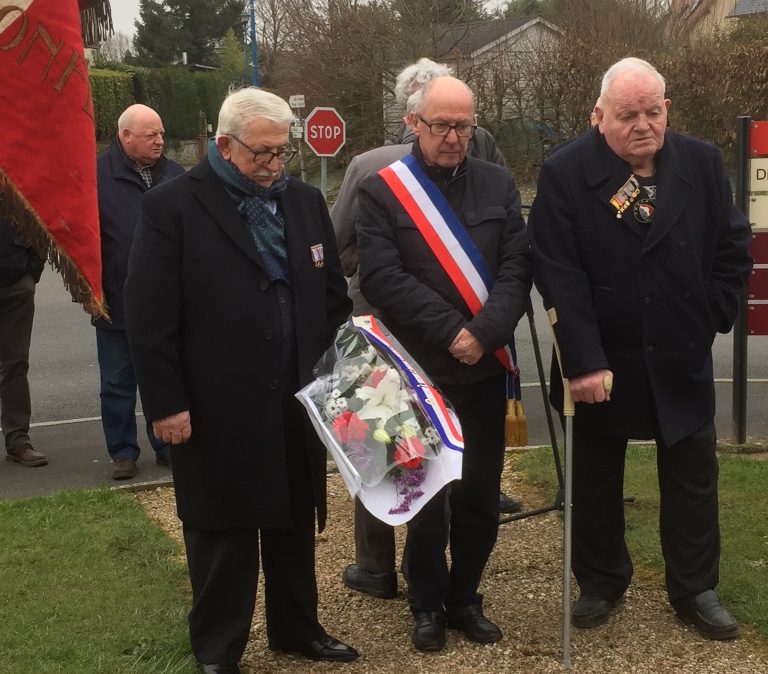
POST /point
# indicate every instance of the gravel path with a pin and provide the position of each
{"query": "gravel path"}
(522, 588)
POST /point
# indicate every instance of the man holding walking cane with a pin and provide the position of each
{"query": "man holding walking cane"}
(638, 247)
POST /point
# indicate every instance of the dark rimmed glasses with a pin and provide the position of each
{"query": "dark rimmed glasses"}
(462, 129)
(264, 157)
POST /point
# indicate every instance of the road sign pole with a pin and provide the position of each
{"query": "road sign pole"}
(739, 413)
(324, 176)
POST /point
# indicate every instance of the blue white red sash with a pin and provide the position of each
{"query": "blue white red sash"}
(432, 402)
(450, 243)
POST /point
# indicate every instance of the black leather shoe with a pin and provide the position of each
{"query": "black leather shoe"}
(708, 616)
(475, 625)
(218, 669)
(508, 505)
(380, 585)
(429, 631)
(591, 611)
(326, 649)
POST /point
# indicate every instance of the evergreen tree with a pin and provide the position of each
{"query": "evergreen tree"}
(168, 28)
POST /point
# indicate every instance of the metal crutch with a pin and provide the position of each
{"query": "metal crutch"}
(569, 410)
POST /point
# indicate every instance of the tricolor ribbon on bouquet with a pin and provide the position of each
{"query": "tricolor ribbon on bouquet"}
(380, 496)
(462, 261)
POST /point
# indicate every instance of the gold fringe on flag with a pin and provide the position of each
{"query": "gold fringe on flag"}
(18, 211)
(515, 424)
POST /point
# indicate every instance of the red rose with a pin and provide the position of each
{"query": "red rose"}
(350, 428)
(409, 453)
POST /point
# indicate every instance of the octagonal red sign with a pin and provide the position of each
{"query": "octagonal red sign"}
(325, 132)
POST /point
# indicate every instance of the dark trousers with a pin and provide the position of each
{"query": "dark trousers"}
(472, 510)
(118, 397)
(224, 570)
(688, 522)
(17, 311)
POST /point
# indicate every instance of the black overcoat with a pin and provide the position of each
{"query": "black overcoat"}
(645, 305)
(204, 326)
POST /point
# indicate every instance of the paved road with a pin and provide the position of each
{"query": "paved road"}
(65, 396)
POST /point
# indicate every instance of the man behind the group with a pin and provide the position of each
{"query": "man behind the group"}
(374, 569)
(401, 277)
(133, 164)
(20, 270)
(234, 292)
(638, 247)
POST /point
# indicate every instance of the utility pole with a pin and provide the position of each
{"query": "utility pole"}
(253, 44)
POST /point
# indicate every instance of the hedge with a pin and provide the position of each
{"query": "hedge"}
(179, 96)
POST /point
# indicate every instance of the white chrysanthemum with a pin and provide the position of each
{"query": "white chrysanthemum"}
(332, 407)
(431, 436)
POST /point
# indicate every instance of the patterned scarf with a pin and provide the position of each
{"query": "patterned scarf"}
(253, 203)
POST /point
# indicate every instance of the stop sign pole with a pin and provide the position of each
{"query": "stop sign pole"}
(325, 132)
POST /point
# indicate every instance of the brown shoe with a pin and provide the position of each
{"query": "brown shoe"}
(123, 469)
(26, 455)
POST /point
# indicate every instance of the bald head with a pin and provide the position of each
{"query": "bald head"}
(140, 131)
(444, 120)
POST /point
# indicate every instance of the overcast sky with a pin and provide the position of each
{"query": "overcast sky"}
(125, 12)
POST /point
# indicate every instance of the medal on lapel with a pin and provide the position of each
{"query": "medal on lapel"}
(643, 211)
(627, 193)
(317, 255)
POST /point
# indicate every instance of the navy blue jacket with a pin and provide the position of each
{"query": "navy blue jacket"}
(17, 257)
(120, 192)
(646, 305)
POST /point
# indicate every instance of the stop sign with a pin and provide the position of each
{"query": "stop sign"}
(325, 132)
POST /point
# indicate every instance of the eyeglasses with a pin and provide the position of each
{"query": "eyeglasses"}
(462, 129)
(264, 157)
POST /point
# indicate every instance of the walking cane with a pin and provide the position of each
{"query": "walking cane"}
(569, 410)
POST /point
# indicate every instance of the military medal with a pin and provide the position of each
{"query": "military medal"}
(317, 255)
(627, 193)
(643, 211)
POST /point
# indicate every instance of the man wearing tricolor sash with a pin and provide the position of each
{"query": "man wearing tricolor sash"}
(444, 258)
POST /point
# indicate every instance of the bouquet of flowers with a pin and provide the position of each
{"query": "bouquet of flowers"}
(394, 438)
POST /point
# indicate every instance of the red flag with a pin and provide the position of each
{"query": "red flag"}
(48, 148)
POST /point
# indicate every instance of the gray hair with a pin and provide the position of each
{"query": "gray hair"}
(629, 65)
(416, 99)
(415, 76)
(241, 106)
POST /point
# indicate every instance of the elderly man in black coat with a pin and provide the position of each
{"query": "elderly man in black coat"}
(453, 340)
(234, 291)
(639, 248)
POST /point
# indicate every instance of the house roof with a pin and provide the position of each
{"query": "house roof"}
(747, 7)
(467, 38)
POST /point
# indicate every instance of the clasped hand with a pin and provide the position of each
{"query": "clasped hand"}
(466, 348)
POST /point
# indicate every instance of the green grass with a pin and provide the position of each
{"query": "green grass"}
(88, 584)
(743, 523)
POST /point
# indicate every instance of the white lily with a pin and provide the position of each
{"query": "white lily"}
(385, 400)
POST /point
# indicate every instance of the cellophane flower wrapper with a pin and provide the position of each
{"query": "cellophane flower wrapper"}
(394, 438)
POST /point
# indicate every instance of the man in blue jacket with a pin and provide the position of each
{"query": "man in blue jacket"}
(637, 245)
(133, 164)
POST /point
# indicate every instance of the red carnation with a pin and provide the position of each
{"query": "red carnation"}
(377, 375)
(350, 428)
(409, 453)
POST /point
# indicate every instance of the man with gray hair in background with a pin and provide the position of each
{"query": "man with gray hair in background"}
(374, 569)
(234, 292)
